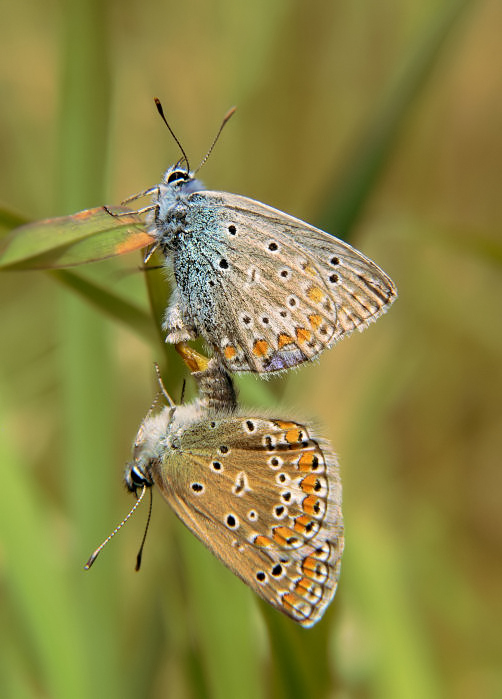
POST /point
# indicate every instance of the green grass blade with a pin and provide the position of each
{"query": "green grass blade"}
(109, 303)
(38, 586)
(375, 147)
(86, 358)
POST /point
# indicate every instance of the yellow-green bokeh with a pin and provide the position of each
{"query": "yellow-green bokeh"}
(412, 406)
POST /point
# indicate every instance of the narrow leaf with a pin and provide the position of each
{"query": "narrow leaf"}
(87, 236)
(347, 196)
(10, 219)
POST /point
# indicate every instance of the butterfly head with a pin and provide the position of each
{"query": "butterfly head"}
(184, 178)
(146, 449)
(136, 476)
(181, 179)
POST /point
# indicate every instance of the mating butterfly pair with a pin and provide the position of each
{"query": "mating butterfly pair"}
(267, 292)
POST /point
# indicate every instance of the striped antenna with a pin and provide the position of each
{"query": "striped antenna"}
(96, 553)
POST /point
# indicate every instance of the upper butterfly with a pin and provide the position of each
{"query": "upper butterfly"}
(264, 289)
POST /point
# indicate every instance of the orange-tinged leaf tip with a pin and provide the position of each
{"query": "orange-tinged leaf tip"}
(134, 242)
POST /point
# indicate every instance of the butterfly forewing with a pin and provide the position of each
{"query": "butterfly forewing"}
(265, 497)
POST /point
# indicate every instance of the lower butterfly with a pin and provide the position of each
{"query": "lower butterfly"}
(262, 493)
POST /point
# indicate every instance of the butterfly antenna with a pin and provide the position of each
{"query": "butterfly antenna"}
(96, 553)
(140, 552)
(227, 116)
(163, 390)
(161, 112)
(183, 391)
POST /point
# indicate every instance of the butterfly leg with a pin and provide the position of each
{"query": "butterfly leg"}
(176, 324)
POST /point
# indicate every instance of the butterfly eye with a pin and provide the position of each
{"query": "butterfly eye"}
(177, 175)
(137, 478)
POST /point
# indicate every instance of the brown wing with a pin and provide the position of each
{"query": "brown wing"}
(265, 497)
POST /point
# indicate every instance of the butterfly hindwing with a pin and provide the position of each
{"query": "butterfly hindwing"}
(356, 285)
(266, 290)
(265, 497)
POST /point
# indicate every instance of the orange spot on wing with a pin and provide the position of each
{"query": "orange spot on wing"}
(315, 321)
(304, 586)
(293, 436)
(308, 590)
(309, 461)
(283, 425)
(262, 541)
(282, 534)
(284, 340)
(312, 505)
(303, 335)
(289, 600)
(304, 583)
(315, 294)
(311, 484)
(309, 564)
(301, 523)
(305, 461)
(229, 352)
(314, 570)
(261, 348)
(297, 606)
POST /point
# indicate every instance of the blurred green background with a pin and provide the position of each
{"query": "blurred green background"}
(382, 123)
